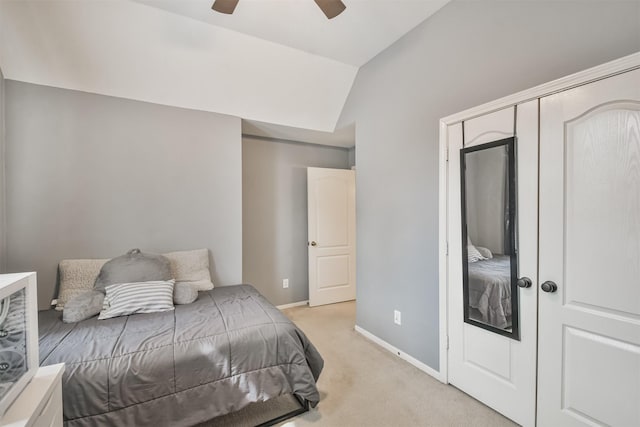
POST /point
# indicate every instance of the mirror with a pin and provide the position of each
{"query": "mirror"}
(489, 249)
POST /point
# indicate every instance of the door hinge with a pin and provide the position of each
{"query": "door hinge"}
(447, 339)
(446, 248)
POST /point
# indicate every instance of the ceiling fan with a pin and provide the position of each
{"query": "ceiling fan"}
(331, 8)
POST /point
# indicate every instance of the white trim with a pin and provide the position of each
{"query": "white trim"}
(415, 362)
(443, 252)
(626, 63)
(293, 304)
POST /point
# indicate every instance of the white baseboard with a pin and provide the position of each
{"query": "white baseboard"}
(293, 304)
(415, 362)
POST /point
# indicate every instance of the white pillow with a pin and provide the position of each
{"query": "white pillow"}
(473, 255)
(123, 299)
(485, 252)
(77, 276)
(191, 267)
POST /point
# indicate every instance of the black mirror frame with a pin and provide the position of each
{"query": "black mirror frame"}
(510, 143)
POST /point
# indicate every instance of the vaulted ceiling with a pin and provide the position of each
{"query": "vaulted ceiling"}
(280, 62)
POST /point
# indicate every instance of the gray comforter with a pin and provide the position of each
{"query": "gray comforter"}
(490, 290)
(229, 348)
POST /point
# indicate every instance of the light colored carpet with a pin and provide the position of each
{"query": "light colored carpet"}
(365, 385)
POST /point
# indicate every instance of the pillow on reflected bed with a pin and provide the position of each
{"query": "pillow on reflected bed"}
(485, 252)
(473, 255)
(123, 299)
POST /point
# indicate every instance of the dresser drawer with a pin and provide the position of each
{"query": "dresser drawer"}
(51, 415)
(40, 403)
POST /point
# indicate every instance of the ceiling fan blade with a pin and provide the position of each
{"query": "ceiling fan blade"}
(225, 6)
(331, 8)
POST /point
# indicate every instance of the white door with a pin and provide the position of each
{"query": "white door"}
(332, 235)
(589, 345)
(497, 370)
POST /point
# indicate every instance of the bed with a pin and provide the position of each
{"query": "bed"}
(227, 349)
(490, 291)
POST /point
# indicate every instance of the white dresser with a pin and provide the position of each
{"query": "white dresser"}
(40, 403)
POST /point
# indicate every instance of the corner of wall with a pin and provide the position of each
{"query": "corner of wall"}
(3, 222)
(274, 208)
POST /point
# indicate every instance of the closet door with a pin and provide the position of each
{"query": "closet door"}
(492, 342)
(589, 300)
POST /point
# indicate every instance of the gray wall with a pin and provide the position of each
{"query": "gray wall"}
(485, 187)
(466, 54)
(352, 156)
(274, 213)
(93, 176)
(3, 227)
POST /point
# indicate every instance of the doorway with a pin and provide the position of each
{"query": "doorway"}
(332, 235)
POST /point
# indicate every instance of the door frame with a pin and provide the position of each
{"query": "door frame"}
(624, 64)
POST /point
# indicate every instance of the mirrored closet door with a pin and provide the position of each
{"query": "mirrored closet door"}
(492, 176)
(543, 261)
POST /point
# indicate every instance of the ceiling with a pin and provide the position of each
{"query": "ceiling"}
(344, 137)
(363, 30)
(278, 64)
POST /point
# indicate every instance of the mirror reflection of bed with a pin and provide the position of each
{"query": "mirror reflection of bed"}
(490, 288)
(488, 240)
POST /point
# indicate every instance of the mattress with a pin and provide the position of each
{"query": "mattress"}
(490, 290)
(229, 348)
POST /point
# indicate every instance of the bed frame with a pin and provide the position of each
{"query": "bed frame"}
(304, 407)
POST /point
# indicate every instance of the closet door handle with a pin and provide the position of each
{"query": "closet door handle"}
(524, 282)
(549, 286)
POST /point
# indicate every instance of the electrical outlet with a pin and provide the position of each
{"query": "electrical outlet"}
(397, 317)
(285, 283)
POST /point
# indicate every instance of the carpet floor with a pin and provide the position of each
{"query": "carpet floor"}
(365, 385)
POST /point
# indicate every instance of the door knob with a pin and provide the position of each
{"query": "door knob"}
(549, 286)
(524, 282)
(313, 243)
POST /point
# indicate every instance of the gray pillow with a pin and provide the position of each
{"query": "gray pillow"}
(82, 306)
(134, 266)
(184, 293)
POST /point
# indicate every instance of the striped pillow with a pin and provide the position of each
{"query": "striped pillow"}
(123, 299)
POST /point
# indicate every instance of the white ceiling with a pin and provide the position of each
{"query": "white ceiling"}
(344, 137)
(363, 30)
(279, 64)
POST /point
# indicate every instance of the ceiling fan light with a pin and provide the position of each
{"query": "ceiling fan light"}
(225, 6)
(331, 8)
